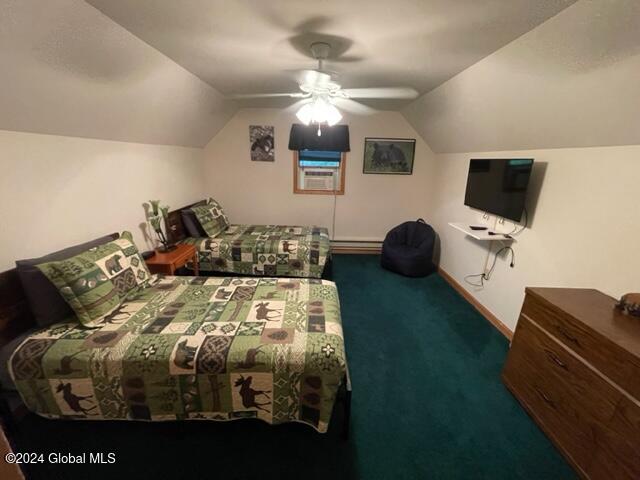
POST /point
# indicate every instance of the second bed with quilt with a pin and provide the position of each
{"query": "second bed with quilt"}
(264, 250)
(270, 250)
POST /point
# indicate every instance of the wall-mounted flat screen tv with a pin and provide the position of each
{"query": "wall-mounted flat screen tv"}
(498, 186)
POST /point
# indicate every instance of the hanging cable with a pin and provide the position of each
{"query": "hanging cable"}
(486, 276)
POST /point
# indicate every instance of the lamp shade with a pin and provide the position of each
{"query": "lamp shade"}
(305, 114)
(320, 110)
(333, 115)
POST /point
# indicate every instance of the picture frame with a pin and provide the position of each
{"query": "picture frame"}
(261, 140)
(388, 156)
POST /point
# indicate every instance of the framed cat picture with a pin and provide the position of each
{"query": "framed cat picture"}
(391, 156)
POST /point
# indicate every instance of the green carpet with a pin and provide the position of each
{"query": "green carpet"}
(427, 403)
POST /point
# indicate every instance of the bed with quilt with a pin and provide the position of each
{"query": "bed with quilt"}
(173, 348)
(265, 250)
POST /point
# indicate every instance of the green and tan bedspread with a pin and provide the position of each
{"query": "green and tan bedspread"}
(270, 250)
(194, 348)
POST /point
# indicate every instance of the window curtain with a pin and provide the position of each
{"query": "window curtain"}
(305, 137)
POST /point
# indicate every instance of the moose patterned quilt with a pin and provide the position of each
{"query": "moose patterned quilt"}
(270, 250)
(194, 348)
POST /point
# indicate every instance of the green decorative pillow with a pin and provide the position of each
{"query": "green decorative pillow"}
(95, 282)
(211, 217)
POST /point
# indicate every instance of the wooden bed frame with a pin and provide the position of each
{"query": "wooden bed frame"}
(175, 226)
(15, 314)
(15, 319)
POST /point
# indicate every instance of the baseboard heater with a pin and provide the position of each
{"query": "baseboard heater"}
(356, 246)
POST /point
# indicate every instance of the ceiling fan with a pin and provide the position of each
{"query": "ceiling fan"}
(320, 94)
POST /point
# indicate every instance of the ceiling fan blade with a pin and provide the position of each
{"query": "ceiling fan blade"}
(313, 77)
(241, 96)
(294, 107)
(352, 106)
(381, 92)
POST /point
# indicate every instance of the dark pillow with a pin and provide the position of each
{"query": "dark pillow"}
(191, 223)
(45, 301)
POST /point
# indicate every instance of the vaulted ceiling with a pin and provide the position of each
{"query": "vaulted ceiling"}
(69, 70)
(155, 71)
(570, 82)
(253, 46)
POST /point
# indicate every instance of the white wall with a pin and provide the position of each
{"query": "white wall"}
(583, 232)
(570, 82)
(58, 191)
(262, 192)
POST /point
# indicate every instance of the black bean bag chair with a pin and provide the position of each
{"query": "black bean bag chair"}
(408, 249)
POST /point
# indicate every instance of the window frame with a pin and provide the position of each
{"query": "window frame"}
(342, 169)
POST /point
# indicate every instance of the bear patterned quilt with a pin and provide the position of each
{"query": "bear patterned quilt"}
(269, 250)
(194, 348)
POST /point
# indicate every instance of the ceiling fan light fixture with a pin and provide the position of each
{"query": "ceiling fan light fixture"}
(305, 114)
(333, 115)
(319, 111)
(319, 90)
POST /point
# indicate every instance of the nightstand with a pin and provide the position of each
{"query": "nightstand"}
(168, 263)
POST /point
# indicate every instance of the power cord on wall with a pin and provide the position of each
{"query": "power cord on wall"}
(517, 231)
(486, 276)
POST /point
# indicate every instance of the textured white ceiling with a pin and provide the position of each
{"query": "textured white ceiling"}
(69, 70)
(247, 46)
(572, 82)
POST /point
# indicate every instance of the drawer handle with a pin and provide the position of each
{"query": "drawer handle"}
(567, 335)
(545, 398)
(554, 358)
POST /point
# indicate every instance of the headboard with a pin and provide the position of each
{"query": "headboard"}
(15, 314)
(175, 227)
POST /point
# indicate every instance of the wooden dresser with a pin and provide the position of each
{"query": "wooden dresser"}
(574, 365)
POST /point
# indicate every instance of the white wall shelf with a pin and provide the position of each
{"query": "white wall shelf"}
(482, 235)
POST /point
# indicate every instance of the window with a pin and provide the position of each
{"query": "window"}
(318, 172)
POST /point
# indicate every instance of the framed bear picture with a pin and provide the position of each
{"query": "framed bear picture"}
(391, 156)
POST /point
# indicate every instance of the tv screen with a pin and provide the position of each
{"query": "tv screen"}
(498, 186)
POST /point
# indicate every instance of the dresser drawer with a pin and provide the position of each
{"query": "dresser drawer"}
(567, 399)
(617, 454)
(606, 356)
